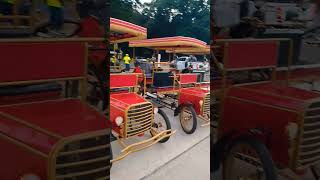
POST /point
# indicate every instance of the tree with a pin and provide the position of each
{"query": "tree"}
(165, 18)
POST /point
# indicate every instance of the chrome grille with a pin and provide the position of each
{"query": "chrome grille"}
(84, 159)
(206, 105)
(139, 119)
(309, 151)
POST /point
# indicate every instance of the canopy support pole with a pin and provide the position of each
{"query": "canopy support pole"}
(134, 54)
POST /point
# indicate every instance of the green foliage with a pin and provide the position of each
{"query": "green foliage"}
(165, 18)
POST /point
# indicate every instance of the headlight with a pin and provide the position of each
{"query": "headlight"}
(155, 110)
(292, 130)
(119, 120)
(30, 177)
(201, 102)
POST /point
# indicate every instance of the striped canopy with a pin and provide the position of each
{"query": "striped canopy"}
(191, 51)
(169, 43)
(122, 31)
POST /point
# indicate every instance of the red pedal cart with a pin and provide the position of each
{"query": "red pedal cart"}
(131, 116)
(265, 127)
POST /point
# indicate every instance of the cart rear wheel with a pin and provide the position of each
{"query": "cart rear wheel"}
(188, 119)
(248, 159)
(161, 123)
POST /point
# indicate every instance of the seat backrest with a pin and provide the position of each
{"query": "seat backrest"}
(118, 81)
(41, 61)
(188, 78)
(162, 79)
(26, 62)
(250, 54)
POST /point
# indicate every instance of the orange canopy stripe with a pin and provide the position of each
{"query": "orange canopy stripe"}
(169, 43)
(122, 31)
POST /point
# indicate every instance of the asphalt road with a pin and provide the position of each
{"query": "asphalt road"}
(190, 165)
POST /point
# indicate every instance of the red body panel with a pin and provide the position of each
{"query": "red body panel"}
(268, 106)
(193, 96)
(17, 161)
(90, 27)
(57, 64)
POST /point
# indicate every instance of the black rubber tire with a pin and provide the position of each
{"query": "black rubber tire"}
(168, 124)
(194, 119)
(43, 26)
(262, 152)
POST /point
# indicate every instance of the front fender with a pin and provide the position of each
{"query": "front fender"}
(178, 109)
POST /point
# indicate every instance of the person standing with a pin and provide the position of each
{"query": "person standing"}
(113, 60)
(127, 60)
(187, 70)
(56, 15)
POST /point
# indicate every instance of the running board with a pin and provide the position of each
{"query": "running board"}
(135, 147)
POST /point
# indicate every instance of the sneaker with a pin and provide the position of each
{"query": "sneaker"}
(57, 33)
(44, 35)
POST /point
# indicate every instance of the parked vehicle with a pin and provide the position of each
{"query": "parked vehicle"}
(265, 127)
(185, 61)
(181, 93)
(131, 115)
(44, 135)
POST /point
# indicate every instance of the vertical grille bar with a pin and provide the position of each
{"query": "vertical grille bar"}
(206, 105)
(309, 149)
(85, 158)
(139, 119)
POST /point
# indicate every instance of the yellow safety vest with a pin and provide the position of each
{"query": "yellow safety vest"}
(113, 60)
(54, 3)
(127, 59)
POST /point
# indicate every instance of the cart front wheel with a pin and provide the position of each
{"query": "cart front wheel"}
(248, 159)
(161, 123)
(188, 119)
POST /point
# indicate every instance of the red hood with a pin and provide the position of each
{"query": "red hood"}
(196, 91)
(124, 100)
(275, 94)
(60, 118)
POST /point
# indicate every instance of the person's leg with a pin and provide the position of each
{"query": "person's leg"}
(52, 17)
(60, 18)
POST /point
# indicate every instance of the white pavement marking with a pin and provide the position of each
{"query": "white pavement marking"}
(145, 162)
